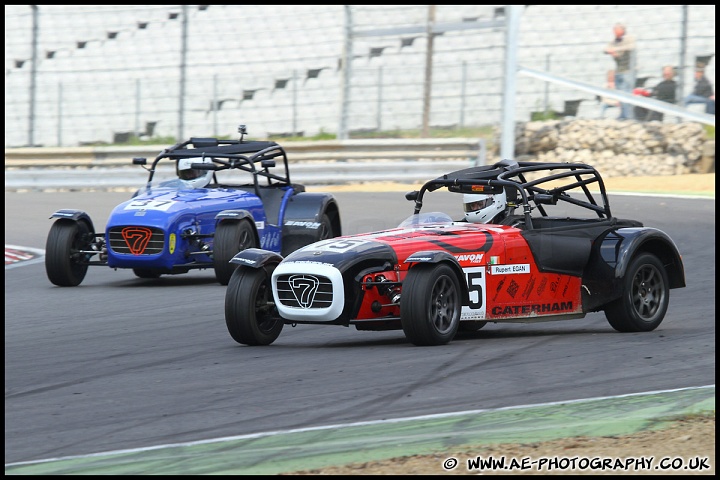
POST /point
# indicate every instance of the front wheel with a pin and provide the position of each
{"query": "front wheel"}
(430, 304)
(230, 238)
(250, 313)
(645, 296)
(65, 265)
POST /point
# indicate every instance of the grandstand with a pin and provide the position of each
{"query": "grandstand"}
(104, 72)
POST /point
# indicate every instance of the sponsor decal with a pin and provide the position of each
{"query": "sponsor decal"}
(537, 308)
(512, 288)
(529, 287)
(507, 269)
(304, 288)
(541, 287)
(312, 225)
(472, 258)
(418, 259)
(271, 241)
(172, 241)
(260, 225)
(137, 238)
(150, 205)
(247, 260)
(498, 288)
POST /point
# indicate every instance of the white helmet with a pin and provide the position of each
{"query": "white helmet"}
(192, 177)
(482, 207)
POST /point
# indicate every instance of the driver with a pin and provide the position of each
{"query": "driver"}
(485, 207)
(192, 177)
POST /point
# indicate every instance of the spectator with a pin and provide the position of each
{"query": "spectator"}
(702, 93)
(622, 49)
(664, 91)
(607, 102)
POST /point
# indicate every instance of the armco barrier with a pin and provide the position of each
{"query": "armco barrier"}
(321, 163)
(472, 149)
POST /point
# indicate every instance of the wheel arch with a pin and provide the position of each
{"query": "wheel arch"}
(425, 257)
(74, 216)
(235, 216)
(306, 208)
(256, 258)
(657, 242)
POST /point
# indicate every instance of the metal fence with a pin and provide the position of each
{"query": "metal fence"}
(78, 75)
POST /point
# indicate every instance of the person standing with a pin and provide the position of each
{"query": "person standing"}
(702, 93)
(622, 49)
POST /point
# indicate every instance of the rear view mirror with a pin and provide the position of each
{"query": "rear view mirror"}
(545, 199)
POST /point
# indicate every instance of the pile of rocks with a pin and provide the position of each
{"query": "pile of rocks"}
(616, 148)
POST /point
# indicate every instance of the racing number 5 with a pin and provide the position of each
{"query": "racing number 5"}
(475, 281)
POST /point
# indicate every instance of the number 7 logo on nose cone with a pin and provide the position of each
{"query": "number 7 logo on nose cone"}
(137, 238)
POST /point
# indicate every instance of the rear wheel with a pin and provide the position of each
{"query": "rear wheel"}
(65, 266)
(325, 231)
(430, 304)
(230, 238)
(644, 299)
(250, 313)
(326, 228)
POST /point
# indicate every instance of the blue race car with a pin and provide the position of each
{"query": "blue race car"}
(194, 221)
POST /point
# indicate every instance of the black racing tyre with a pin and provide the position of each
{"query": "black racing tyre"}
(430, 304)
(295, 242)
(645, 296)
(64, 264)
(145, 273)
(230, 238)
(250, 313)
(471, 325)
(326, 228)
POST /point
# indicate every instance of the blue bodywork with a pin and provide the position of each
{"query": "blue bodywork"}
(174, 226)
(187, 218)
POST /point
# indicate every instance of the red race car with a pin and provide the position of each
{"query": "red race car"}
(535, 244)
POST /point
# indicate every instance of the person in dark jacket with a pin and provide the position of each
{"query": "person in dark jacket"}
(702, 93)
(664, 91)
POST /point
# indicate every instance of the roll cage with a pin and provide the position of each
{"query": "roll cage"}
(228, 154)
(530, 185)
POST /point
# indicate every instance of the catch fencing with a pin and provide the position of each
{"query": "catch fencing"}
(104, 74)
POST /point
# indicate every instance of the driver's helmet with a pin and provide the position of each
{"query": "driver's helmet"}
(483, 207)
(192, 177)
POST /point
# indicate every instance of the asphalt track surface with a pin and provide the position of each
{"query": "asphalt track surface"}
(128, 376)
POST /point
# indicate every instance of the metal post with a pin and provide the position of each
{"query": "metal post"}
(428, 72)
(183, 65)
(683, 51)
(379, 99)
(512, 28)
(345, 76)
(215, 106)
(462, 93)
(59, 115)
(137, 106)
(33, 75)
(294, 101)
(546, 107)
